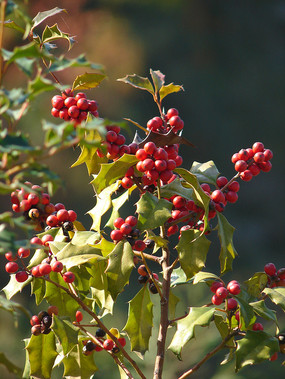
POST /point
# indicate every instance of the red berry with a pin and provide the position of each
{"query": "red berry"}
(172, 112)
(10, 256)
(108, 344)
(72, 216)
(281, 273)
(258, 157)
(79, 316)
(234, 186)
(205, 187)
(63, 114)
(240, 166)
(246, 175)
(160, 153)
(141, 154)
(122, 341)
(62, 215)
(265, 166)
(23, 253)
(52, 221)
(35, 271)
(11, 267)
(142, 270)
(69, 102)
(222, 292)
(67, 93)
(57, 102)
(126, 228)
(172, 230)
(118, 222)
(235, 158)
(147, 164)
(218, 196)
(250, 153)
(270, 269)
(120, 140)
(24, 205)
(232, 304)
(111, 136)
(150, 148)
(243, 154)
(257, 326)
(56, 266)
(80, 95)
(215, 286)
(216, 300)
(73, 111)
(160, 165)
(131, 220)
(233, 287)
(268, 155)
(257, 147)
(21, 276)
(124, 149)
(82, 104)
(116, 235)
(44, 268)
(46, 239)
(237, 317)
(139, 245)
(176, 122)
(45, 199)
(221, 181)
(179, 202)
(92, 106)
(52, 309)
(33, 198)
(35, 320)
(68, 277)
(171, 164)
(178, 160)
(254, 169)
(127, 182)
(166, 175)
(231, 196)
(274, 357)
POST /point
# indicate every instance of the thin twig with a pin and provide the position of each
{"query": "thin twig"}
(151, 276)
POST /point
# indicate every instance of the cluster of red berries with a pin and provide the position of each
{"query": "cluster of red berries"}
(73, 108)
(145, 278)
(41, 323)
(115, 144)
(171, 120)
(222, 293)
(108, 344)
(275, 278)
(249, 162)
(60, 216)
(126, 229)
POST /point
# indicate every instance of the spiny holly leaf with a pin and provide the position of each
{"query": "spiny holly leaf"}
(140, 321)
(39, 85)
(110, 172)
(203, 276)
(256, 284)
(103, 204)
(153, 212)
(55, 296)
(205, 172)
(228, 252)
(158, 79)
(78, 365)
(87, 81)
(192, 251)
(255, 347)
(117, 204)
(276, 295)
(26, 65)
(120, 265)
(89, 156)
(41, 16)
(247, 316)
(138, 82)
(26, 51)
(262, 310)
(42, 353)
(11, 24)
(65, 332)
(11, 367)
(168, 89)
(198, 316)
(63, 63)
(178, 276)
(176, 188)
(14, 287)
(38, 288)
(162, 140)
(52, 33)
(223, 328)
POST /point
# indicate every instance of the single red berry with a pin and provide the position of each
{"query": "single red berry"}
(73, 111)
(178, 160)
(126, 228)
(205, 187)
(120, 140)
(34, 320)
(11, 267)
(23, 253)
(160, 165)
(24, 205)
(111, 136)
(122, 341)
(243, 154)
(44, 268)
(270, 269)
(79, 316)
(171, 164)
(246, 175)
(62, 215)
(68, 277)
(165, 176)
(72, 216)
(142, 270)
(274, 357)
(21, 276)
(67, 93)
(139, 166)
(232, 304)
(92, 106)
(80, 95)
(133, 147)
(10, 257)
(131, 220)
(52, 310)
(82, 104)
(70, 102)
(36, 330)
(172, 230)
(281, 273)
(217, 196)
(45, 199)
(257, 326)
(150, 148)
(141, 154)
(147, 164)
(52, 221)
(221, 181)
(258, 157)
(108, 344)
(215, 286)
(233, 287)
(240, 166)
(172, 112)
(118, 222)
(216, 300)
(139, 245)
(152, 124)
(33, 198)
(235, 158)
(46, 239)
(35, 271)
(234, 186)
(265, 166)
(254, 169)
(160, 153)
(179, 202)
(250, 153)
(116, 235)
(63, 114)
(222, 292)
(268, 155)
(231, 196)
(56, 266)
(124, 149)
(257, 147)
(57, 102)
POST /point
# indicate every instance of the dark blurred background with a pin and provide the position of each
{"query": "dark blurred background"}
(230, 58)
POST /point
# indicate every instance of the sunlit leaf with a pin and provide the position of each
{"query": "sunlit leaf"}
(158, 79)
(87, 81)
(256, 284)
(168, 89)
(52, 33)
(14, 287)
(262, 310)
(65, 332)
(228, 251)
(63, 63)
(138, 82)
(205, 172)
(203, 276)
(41, 16)
(276, 295)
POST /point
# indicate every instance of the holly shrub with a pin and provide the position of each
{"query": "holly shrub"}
(81, 273)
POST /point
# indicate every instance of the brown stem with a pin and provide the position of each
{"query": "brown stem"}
(151, 276)
(149, 257)
(178, 318)
(100, 324)
(230, 181)
(51, 73)
(209, 355)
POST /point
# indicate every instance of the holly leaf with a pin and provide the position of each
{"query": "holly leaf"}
(168, 89)
(176, 188)
(255, 347)
(78, 365)
(110, 172)
(276, 295)
(262, 310)
(52, 33)
(38, 288)
(152, 212)
(140, 321)
(178, 276)
(205, 172)
(203, 276)
(11, 24)
(65, 332)
(14, 287)
(120, 265)
(10, 366)
(192, 251)
(256, 284)
(42, 353)
(158, 79)
(63, 63)
(138, 82)
(247, 317)
(89, 156)
(87, 81)
(162, 140)
(39, 85)
(41, 16)
(173, 301)
(227, 252)
(198, 316)
(223, 328)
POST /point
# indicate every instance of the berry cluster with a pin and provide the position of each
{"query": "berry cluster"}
(115, 143)
(275, 278)
(126, 229)
(90, 346)
(222, 293)
(170, 121)
(145, 278)
(41, 323)
(249, 162)
(73, 108)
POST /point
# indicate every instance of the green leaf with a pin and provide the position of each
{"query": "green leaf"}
(159, 241)
(223, 328)
(140, 321)
(247, 317)
(277, 296)
(65, 332)
(120, 265)
(38, 288)
(26, 51)
(205, 172)
(103, 204)
(14, 287)
(173, 301)
(176, 188)
(26, 65)
(262, 310)
(39, 85)
(41, 16)
(192, 251)
(67, 306)
(158, 79)
(110, 172)
(89, 156)
(52, 33)
(152, 212)
(168, 89)
(63, 63)
(78, 365)
(254, 348)
(227, 252)
(13, 369)
(42, 353)
(203, 276)
(11, 24)
(138, 82)
(178, 276)
(198, 316)
(87, 81)
(256, 284)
